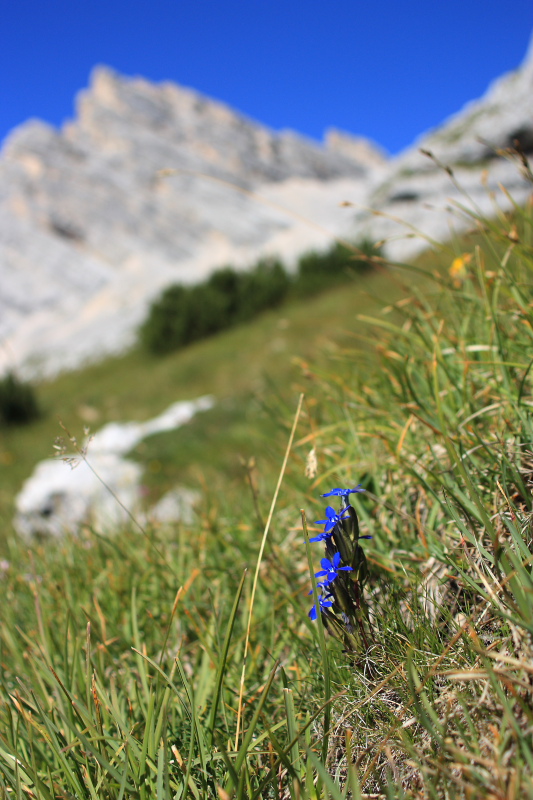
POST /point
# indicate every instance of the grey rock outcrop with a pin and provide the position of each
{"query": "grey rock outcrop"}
(417, 189)
(90, 230)
(104, 487)
(358, 148)
(177, 505)
(92, 227)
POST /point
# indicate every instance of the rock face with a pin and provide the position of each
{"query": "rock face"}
(416, 189)
(90, 230)
(92, 227)
(59, 497)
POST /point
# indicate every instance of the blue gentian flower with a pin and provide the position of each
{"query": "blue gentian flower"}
(332, 519)
(325, 601)
(330, 569)
(321, 585)
(344, 492)
(322, 537)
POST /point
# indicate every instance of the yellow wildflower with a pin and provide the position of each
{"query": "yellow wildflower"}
(458, 268)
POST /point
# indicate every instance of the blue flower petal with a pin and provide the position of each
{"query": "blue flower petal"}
(344, 492)
(319, 586)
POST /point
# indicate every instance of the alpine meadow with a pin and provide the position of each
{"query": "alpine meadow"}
(342, 606)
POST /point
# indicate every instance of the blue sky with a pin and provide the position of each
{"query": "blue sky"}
(386, 69)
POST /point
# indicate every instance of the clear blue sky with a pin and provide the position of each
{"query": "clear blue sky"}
(386, 69)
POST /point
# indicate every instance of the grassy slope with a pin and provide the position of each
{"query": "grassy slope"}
(145, 702)
(237, 367)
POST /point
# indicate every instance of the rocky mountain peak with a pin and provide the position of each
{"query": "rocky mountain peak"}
(474, 144)
(152, 184)
(90, 230)
(358, 148)
(118, 115)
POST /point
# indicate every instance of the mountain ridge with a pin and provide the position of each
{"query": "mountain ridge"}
(154, 184)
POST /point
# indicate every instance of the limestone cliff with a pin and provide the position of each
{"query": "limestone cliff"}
(90, 230)
(92, 227)
(416, 189)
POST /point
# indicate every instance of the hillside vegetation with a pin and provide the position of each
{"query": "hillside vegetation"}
(240, 367)
(186, 663)
(184, 314)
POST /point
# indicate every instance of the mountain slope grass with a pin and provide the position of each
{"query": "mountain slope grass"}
(183, 663)
(237, 367)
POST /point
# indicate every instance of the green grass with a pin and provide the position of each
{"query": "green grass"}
(238, 367)
(122, 658)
